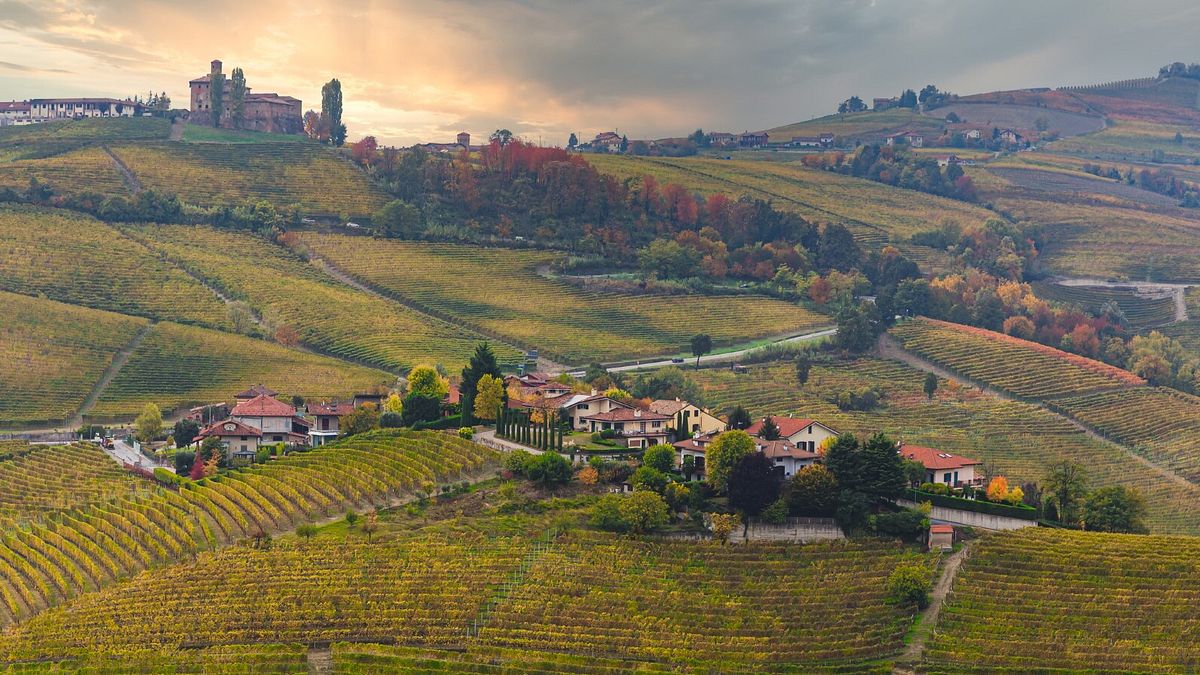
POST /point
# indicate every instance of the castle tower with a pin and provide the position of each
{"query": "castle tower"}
(464, 139)
(216, 67)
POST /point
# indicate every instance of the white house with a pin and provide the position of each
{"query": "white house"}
(326, 421)
(14, 112)
(943, 467)
(805, 434)
(575, 407)
(786, 458)
(71, 108)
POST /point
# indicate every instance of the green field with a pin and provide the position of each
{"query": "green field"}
(53, 354)
(176, 366)
(564, 322)
(194, 133)
(1040, 600)
(88, 130)
(80, 260)
(329, 316)
(1022, 439)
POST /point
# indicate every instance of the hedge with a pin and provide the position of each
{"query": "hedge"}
(991, 508)
(451, 422)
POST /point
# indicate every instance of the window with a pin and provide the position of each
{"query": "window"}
(946, 478)
(324, 424)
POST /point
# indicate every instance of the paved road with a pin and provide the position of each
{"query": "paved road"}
(124, 453)
(713, 358)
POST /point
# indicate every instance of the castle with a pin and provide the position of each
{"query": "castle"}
(260, 112)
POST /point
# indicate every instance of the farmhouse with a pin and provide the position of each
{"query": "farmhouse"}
(943, 467)
(822, 141)
(608, 140)
(721, 139)
(1011, 136)
(912, 138)
(239, 440)
(753, 139)
(41, 109)
(688, 418)
(254, 392)
(14, 112)
(326, 420)
(276, 420)
(805, 434)
(260, 112)
(637, 427)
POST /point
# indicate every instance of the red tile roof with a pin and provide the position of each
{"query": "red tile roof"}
(626, 415)
(263, 406)
(256, 390)
(6, 106)
(667, 406)
(777, 449)
(941, 529)
(221, 429)
(935, 459)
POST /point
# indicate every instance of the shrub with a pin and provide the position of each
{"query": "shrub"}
(548, 468)
(812, 492)
(391, 420)
(909, 585)
(660, 457)
(516, 461)
(776, 513)
(466, 432)
(909, 525)
(639, 512)
(649, 478)
(166, 477)
(937, 489)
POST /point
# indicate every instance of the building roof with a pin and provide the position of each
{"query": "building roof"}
(35, 101)
(788, 426)
(781, 448)
(627, 415)
(228, 428)
(935, 460)
(695, 444)
(262, 406)
(256, 390)
(667, 406)
(941, 529)
(18, 106)
(334, 408)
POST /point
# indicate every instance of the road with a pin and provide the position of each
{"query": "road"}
(1147, 288)
(124, 453)
(712, 358)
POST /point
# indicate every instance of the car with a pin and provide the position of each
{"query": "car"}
(353, 226)
(308, 221)
(676, 360)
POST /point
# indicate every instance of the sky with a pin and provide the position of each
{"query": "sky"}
(424, 70)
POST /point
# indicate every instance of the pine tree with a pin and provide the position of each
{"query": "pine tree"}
(483, 362)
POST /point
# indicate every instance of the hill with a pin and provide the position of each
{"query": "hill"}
(868, 126)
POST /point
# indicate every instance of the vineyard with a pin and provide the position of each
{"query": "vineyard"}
(871, 126)
(328, 316)
(87, 169)
(1160, 423)
(1022, 439)
(79, 260)
(521, 306)
(58, 478)
(1041, 600)
(309, 177)
(74, 552)
(1020, 367)
(223, 660)
(85, 130)
(1132, 141)
(1143, 310)
(53, 354)
(175, 366)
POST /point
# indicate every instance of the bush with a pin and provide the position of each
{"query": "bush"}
(608, 434)
(639, 512)
(391, 420)
(183, 461)
(909, 585)
(516, 461)
(863, 399)
(166, 477)
(660, 457)
(649, 478)
(909, 525)
(262, 455)
(776, 513)
(937, 489)
(548, 468)
(466, 432)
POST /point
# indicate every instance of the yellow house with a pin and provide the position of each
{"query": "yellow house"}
(695, 420)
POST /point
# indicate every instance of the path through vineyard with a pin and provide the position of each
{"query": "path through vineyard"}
(916, 646)
(118, 362)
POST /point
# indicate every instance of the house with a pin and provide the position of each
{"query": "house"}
(688, 418)
(943, 467)
(254, 392)
(375, 400)
(970, 132)
(636, 427)
(1011, 136)
(76, 108)
(267, 112)
(954, 160)
(206, 414)
(276, 420)
(941, 537)
(885, 103)
(537, 384)
(753, 139)
(721, 139)
(240, 441)
(608, 140)
(786, 457)
(326, 421)
(14, 113)
(693, 447)
(574, 408)
(805, 434)
(822, 141)
(912, 138)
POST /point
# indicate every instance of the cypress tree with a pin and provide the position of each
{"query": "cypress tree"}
(483, 362)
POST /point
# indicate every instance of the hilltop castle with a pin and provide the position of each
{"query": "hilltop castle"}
(260, 112)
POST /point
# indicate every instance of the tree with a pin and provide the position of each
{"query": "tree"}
(649, 478)
(312, 125)
(216, 98)
(427, 381)
(882, 475)
(331, 112)
(931, 385)
(769, 430)
(489, 396)
(640, 512)
(910, 585)
(739, 418)
(836, 249)
(237, 98)
(803, 366)
(501, 136)
(1063, 491)
(351, 518)
(483, 362)
(723, 525)
(914, 472)
(421, 408)
(307, 530)
(723, 454)
(184, 431)
(572, 141)
(843, 461)
(360, 420)
(752, 485)
(812, 491)
(852, 105)
(370, 525)
(927, 92)
(1115, 509)
(660, 457)
(997, 489)
(701, 345)
(149, 424)
(548, 468)
(184, 460)
(908, 99)
(399, 219)
(858, 327)
(393, 404)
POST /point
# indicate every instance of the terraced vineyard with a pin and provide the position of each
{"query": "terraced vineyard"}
(53, 354)
(1162, 424)
(1020, 367)
(1144, 310)
(175, 366)
(1022, 439)
(222, 660)
(57, 478)
(85, 130)
(88, 549)
(561, 320)
(1042, 600)
(80, 260)
(87, 169)
(600, 594)
(309, 177)
(329, 316)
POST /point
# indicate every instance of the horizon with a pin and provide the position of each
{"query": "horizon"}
(722, 72)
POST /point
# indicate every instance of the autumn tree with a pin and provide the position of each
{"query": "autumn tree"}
(149, 424)
(362, 419)
(365, 150)
(393, 404)
(331, 112)
(237, 98)
(483, 362)
(489, 396)
(312, 125)
(723, 454)
(426, 381)
(287, 336)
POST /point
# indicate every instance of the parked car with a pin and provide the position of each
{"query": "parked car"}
(676, 360)
(308, 221)
(353, 226)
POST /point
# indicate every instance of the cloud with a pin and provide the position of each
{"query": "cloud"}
(422, 70)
